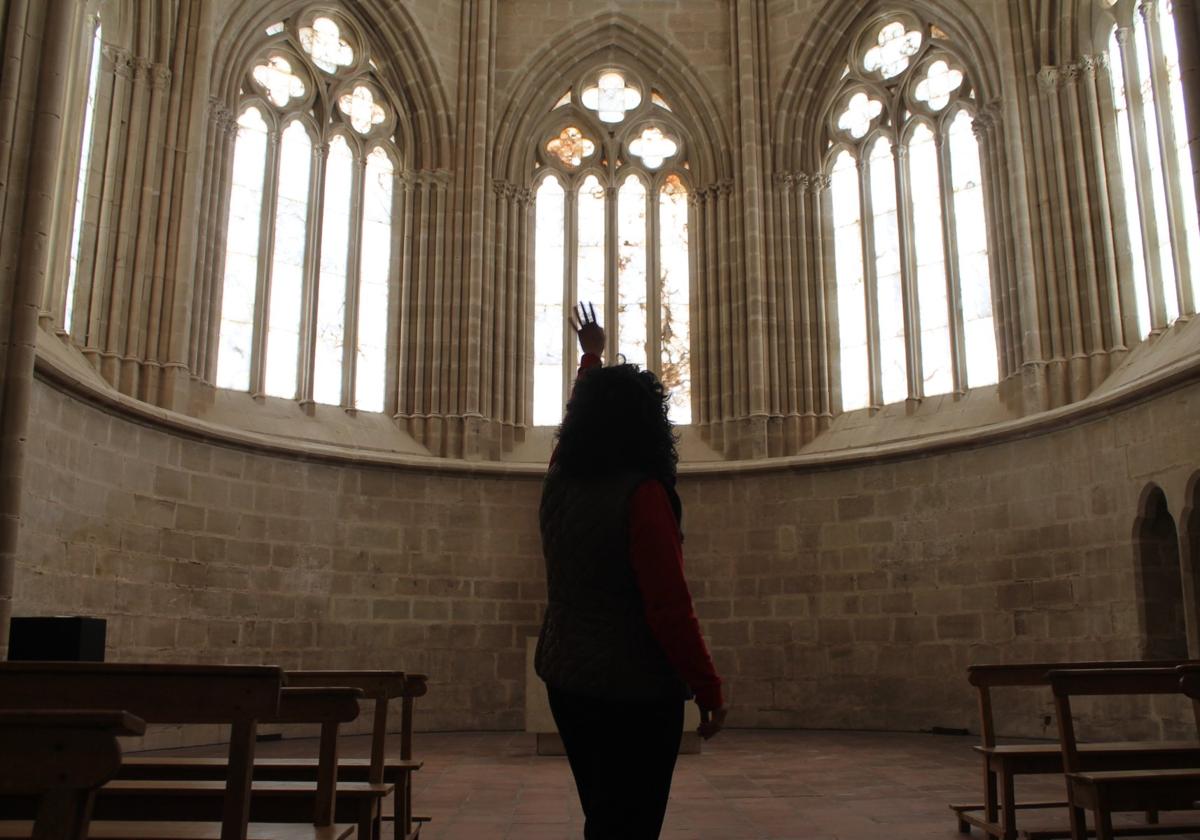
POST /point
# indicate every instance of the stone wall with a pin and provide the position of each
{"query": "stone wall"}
(849, 596)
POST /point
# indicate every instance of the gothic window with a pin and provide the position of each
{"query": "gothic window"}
(611, 216)
(1156, 164)
(308, 255)
(905, 207)
(85, 165)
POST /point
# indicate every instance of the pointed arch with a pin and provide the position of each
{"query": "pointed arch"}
(616, 38)
(402, 58)
(800, 105)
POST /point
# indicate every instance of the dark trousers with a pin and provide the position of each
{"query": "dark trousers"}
(622, 755)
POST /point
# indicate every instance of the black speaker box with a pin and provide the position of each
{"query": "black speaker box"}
(60, 638)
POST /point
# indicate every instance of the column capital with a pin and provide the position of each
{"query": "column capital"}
(121, 60)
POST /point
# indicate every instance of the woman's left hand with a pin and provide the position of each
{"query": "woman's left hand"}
(711, 722)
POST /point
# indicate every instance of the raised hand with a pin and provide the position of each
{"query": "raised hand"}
(587, 328)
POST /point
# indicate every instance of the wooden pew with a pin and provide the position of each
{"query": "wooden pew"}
(61, 758)
(175, 694)
(377, 769)
(1104, 792)
(1002, 763)
(320, 799)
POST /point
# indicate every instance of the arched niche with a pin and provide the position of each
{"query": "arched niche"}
(1158, 579)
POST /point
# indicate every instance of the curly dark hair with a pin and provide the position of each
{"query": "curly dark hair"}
(617, 421)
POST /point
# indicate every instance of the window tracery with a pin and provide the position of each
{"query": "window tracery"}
(611, 214)
(309, 250)
(906, 209)
(1155, 159)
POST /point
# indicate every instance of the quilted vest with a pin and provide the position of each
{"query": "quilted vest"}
(595, 640)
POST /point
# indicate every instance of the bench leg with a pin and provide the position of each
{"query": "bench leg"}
(63, 815)
(367, 824)
(1078, 823)
(991, 812)
(1008, 805)
(1104, 826)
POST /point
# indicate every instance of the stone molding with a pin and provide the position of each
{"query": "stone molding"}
(1162, 381)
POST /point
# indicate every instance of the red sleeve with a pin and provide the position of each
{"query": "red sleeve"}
(657, 556)
(589, 361)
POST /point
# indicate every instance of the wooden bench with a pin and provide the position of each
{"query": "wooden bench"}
(175, 694)
(61, 758)
(378, 769)
(319, 799)
(1104, 792)
(1002, 763)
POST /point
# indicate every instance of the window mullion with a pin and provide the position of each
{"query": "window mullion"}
(653, 282)
(570, 283)
(870, 280)
(266, 250)
(1171, 174)
(611, 298)
(1137, 139)
(353, 282)
(312, 273)
(954, 278)
(908, 272)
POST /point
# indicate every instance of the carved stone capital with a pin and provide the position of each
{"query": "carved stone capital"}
(162, 77)
(524, 196)
(1089, 64)
(122, 62)
(1049, 79)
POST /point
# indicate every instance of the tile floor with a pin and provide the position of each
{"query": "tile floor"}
(747, 785)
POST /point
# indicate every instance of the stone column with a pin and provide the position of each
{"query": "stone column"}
(47, 33)
(1187, 31)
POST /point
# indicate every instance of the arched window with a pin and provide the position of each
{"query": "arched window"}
(1156, 164)
(309, 250)
(611, 194)
(906, 211)
(85, 166)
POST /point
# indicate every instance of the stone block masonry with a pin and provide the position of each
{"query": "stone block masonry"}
(850, 597)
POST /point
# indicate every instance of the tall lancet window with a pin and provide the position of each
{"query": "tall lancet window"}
(906, 211)
(611, 194)
(85, 166)
(1156, 163)
(309, 253)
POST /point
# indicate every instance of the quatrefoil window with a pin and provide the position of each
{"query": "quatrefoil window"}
(896, 46)
(571, 147)
(611, 97)
(861, 111)
(361, 108)
(279, 81)
(939, 85)
(324, 42)
(653, 147)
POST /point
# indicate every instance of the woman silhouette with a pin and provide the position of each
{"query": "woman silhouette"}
(620, 649)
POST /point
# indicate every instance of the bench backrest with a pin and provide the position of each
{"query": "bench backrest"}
(329, 707)
(380, 686)
(987, 677)
(1105, 682)
(238, 695)
(155, 693)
